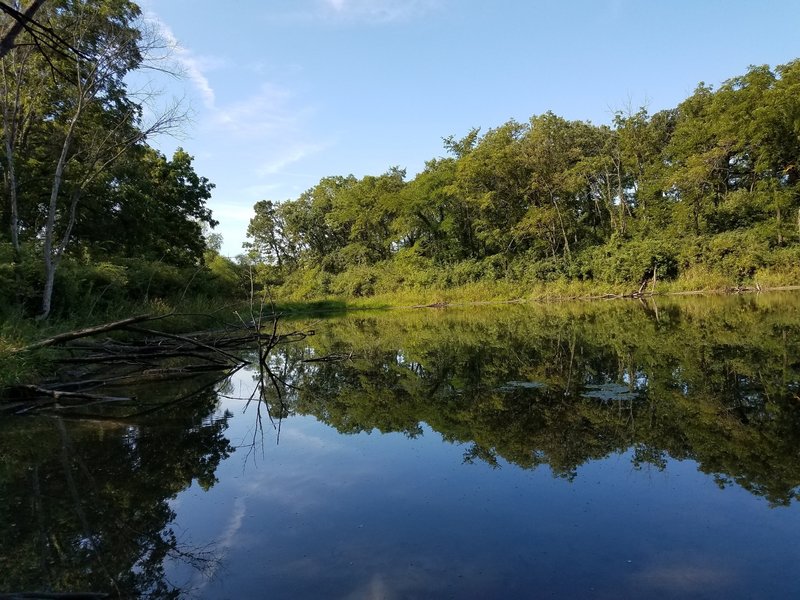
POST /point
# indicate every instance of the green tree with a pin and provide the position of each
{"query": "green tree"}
(147, 206)
(81, 118)
(267, 230)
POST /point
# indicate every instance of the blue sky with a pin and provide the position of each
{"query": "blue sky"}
(283, 93)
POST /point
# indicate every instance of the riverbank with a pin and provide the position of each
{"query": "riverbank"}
(505, 291)
(18, 331)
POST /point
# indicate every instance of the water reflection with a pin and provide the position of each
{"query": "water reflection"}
(94, 503)
(715, 381)
(86, 502)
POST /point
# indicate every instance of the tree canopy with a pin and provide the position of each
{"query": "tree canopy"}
(710, 184)
(80, 183)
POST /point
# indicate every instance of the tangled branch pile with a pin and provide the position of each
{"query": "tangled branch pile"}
(90, 362)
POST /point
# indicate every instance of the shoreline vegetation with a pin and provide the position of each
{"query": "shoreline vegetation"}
(23, 362)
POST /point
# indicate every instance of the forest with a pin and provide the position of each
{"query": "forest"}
(701, 196)
(93, 218)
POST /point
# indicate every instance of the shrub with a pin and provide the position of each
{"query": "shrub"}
(632, 261)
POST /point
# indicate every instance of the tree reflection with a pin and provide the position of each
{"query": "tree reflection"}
(715, 381)
(87, 502)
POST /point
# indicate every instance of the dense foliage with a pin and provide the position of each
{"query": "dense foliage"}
(709, 187)
(87, 205)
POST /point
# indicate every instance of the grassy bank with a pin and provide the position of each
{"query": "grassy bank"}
(384, 293)
(18, 329)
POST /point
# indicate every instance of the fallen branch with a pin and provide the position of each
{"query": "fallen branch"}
(142, 355)
(80, 333)
(186, 339)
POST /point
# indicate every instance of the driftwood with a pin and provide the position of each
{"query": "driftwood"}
(142, 354)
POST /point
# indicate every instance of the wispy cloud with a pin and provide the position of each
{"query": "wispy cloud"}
(192, 66)
(289, 156)
(223, 545)
(268, 111)
(378, 11)
(274, 124)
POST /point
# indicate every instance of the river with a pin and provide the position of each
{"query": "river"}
(619, 449)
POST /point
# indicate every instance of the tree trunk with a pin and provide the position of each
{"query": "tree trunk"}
(621, 196)
(567, 252)
(11, 188)
(51, 258)
(10, 130)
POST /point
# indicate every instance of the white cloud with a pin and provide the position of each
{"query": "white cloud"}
(289, 156)
(223, 545)
(379, 11)
(192, 66)
(273, 124)
(266, 112)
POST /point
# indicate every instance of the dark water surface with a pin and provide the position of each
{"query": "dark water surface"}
(604, 450)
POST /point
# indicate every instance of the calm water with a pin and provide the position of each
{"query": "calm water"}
(604, 450)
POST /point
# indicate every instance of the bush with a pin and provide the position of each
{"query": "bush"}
(154, 280)
(632, 262)
(736, 254)
(356, 282)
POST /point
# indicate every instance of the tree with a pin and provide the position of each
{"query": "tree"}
(365, 210)
(79, 110)
(267, 230)
(147, 206)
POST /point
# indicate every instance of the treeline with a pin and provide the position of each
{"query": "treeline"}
(91, 214)
(706, 191)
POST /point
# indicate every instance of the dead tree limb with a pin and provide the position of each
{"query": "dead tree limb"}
(186, 339)
(79, 333)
